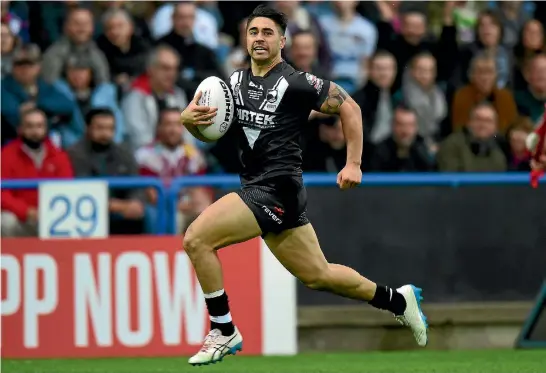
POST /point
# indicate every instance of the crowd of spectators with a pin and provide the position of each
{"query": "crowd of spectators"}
(95, 89)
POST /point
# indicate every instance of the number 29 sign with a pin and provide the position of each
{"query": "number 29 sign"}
(73, 209)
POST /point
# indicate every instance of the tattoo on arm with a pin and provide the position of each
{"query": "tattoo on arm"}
(336, 97)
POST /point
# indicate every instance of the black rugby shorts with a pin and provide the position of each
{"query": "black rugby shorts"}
(278, 203)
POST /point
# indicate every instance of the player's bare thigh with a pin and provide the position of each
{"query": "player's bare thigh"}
(225, 222)
(299, 251)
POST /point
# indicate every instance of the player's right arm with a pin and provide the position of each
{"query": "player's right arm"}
(195, 115)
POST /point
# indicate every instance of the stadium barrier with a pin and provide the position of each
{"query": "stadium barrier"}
(79, 298)
(167, 197)
(135, 296)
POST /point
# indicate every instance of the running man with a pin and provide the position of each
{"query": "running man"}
(273, 103)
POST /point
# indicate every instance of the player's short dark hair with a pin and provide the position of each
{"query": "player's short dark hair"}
(91, 114)
(264, 11)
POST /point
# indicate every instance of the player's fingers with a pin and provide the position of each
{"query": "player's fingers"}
(201, 109)
(206, 116)
(204, 122)
(197, 97)
(338, 181)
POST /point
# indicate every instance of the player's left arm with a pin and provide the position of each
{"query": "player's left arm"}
(340, 103)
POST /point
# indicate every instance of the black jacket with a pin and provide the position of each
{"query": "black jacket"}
(195, 56)
(132, 63)
(386, 159)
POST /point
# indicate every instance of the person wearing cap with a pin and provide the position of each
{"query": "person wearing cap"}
(23, 89)
(77, 42)
(80, 88)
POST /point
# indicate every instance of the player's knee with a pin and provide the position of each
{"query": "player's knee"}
(193, 242)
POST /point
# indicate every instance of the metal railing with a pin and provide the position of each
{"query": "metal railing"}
(168, 196)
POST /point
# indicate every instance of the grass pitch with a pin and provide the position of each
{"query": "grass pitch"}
(497, 361)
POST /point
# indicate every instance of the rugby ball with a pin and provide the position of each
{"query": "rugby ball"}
(216, 93)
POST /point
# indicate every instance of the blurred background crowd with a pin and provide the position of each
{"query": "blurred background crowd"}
(96, 88)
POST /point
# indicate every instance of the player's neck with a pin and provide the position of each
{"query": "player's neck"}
(262, 69)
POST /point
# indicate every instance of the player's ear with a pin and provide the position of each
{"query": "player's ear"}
(283, 41)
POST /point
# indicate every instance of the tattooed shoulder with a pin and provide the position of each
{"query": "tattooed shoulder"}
(336, 97)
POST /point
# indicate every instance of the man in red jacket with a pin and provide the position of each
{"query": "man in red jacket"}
(31, 156)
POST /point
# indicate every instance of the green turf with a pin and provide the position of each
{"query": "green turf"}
(505, 361)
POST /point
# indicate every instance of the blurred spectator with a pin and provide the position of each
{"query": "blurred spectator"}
(126, 53)
(48, 18)
(326, 151)
(465, 16)
(482, 87)
(9, 43)
(197, 61)
(76, 42)
(475, 148)
(23, 89)
(352, 40)
(80, 88)
(96, 155)
(303, 54)
(170, 157)
(421, 94)
(31, 156)
(136, 10)
(512, 15)
(300, 19)
(531, 43)
(518, 156)
(413, 39)
(489, 40)
(16, 25)
(376, 102)
(531, 100)
(150, 93)
(238, 58)
(404, 150)
(204, 27)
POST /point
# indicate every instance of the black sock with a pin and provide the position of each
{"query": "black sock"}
(387, 298)
(220, 317)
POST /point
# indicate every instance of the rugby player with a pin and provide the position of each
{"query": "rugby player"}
(273, 102)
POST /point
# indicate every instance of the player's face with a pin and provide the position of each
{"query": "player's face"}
(263, 39)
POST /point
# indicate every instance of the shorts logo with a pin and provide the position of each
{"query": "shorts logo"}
(272, 215)
(314, 81)
(278, 210)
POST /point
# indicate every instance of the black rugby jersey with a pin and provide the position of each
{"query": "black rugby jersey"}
(270, 113)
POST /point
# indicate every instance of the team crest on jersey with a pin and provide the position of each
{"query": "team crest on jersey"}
(314, 81)
(272, 95)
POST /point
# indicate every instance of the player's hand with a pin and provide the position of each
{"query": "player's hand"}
(350, 176)
(195, 115)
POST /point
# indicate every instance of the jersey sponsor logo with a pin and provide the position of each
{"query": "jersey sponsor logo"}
(272, 215)
(229, 109)
(314, 82)
(254, 119)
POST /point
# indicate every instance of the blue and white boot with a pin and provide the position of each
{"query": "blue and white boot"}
(216, 347)
(413, 316)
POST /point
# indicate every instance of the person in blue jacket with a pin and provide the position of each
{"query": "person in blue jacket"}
(23, 89)
(80, 89)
